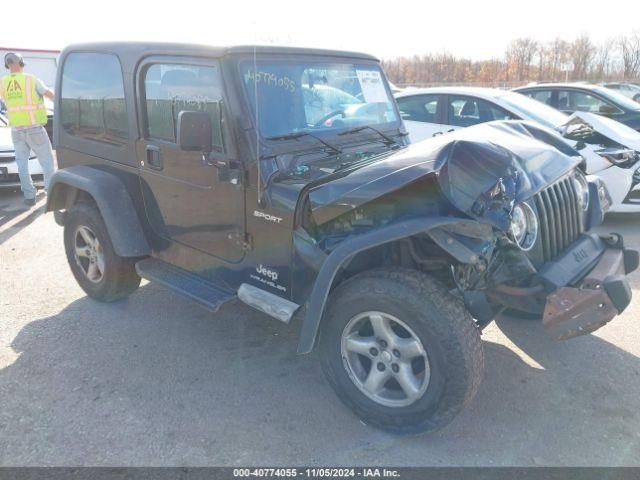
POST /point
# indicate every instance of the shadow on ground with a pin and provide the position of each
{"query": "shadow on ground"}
(155, 380)
(12, 207)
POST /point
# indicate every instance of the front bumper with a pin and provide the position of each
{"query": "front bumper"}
(9, 172)
(626, 191)
(602, 293)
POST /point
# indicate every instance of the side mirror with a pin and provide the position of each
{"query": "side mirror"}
(194, 131)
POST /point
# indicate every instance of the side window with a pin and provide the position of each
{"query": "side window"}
(172, 88)
(419, 108)
(92, 103)
(543, 96)
(583, 102)
(468, 111)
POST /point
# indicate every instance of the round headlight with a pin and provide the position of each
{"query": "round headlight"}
(524, 226)
(582, 189)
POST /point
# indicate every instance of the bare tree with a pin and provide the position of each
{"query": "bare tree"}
(520, 55)
(581, 52)
(557, 53)
(525, 60)
(603, 60)
(630, 53)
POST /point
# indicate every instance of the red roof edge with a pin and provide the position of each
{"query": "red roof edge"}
(29, 50)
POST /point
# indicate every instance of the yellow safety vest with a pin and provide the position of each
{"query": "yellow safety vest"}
(24, 106)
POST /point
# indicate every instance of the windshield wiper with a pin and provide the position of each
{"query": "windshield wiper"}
(293, 136)
(388, 140)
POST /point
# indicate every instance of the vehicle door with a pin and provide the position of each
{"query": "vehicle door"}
(465, 111)
(192, 197)
(422, 116)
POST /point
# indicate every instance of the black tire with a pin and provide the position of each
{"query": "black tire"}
(439, 320)
(119, 278)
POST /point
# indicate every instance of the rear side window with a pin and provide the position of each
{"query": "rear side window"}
(419, 108)
(92, 104)
(173, 88)
(543, 96)
(583, 102)
(468, 111)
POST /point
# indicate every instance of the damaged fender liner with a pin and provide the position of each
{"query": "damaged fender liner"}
(344, 251)
(596, 300)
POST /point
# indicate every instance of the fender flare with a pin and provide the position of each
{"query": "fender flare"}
(113, 201)
(316, 303)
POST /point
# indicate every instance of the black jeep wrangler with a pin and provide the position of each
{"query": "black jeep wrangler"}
(282, 177)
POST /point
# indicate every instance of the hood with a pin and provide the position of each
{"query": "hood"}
(613, 130)
(482, 170)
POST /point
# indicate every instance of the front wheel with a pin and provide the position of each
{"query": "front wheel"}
(400, 350)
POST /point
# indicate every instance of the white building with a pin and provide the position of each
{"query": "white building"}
(41, 63)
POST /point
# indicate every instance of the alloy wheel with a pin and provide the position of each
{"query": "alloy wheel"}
(89, 254)
(385, 359)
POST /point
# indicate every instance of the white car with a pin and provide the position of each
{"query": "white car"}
(630, 90)
(611, 149)
(8, 166)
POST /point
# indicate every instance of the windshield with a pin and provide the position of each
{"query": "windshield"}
(618, 98)
(310, 96)
(530, 109)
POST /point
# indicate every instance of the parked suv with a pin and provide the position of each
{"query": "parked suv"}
(583, 97)
(282, 177)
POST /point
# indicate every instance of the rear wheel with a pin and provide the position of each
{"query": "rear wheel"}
(100, 272)
(400, 351)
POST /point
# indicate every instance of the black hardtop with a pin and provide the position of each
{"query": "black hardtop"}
(130, 52)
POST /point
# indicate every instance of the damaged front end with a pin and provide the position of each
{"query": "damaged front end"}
(505, 224)
(545, 262)
(612, 152)
(613, 142)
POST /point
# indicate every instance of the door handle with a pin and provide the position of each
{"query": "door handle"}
(208, 160)
(436, 134)
(451, 130)
(228, 170)
(154, 159)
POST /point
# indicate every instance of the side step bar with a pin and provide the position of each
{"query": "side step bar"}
(273, 305)
(209, 295)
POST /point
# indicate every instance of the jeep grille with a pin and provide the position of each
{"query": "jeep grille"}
(560, 217)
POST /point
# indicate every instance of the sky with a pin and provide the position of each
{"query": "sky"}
(478, 29)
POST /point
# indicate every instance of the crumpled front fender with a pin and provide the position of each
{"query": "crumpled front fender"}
(435, 226)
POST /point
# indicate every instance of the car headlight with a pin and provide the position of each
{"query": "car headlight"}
(623, 157)
(582, 189)
(524, 226)
(603, 196)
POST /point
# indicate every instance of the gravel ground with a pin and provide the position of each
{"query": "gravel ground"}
(156, 380)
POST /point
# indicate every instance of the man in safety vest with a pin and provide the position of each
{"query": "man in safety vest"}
(23, 95)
